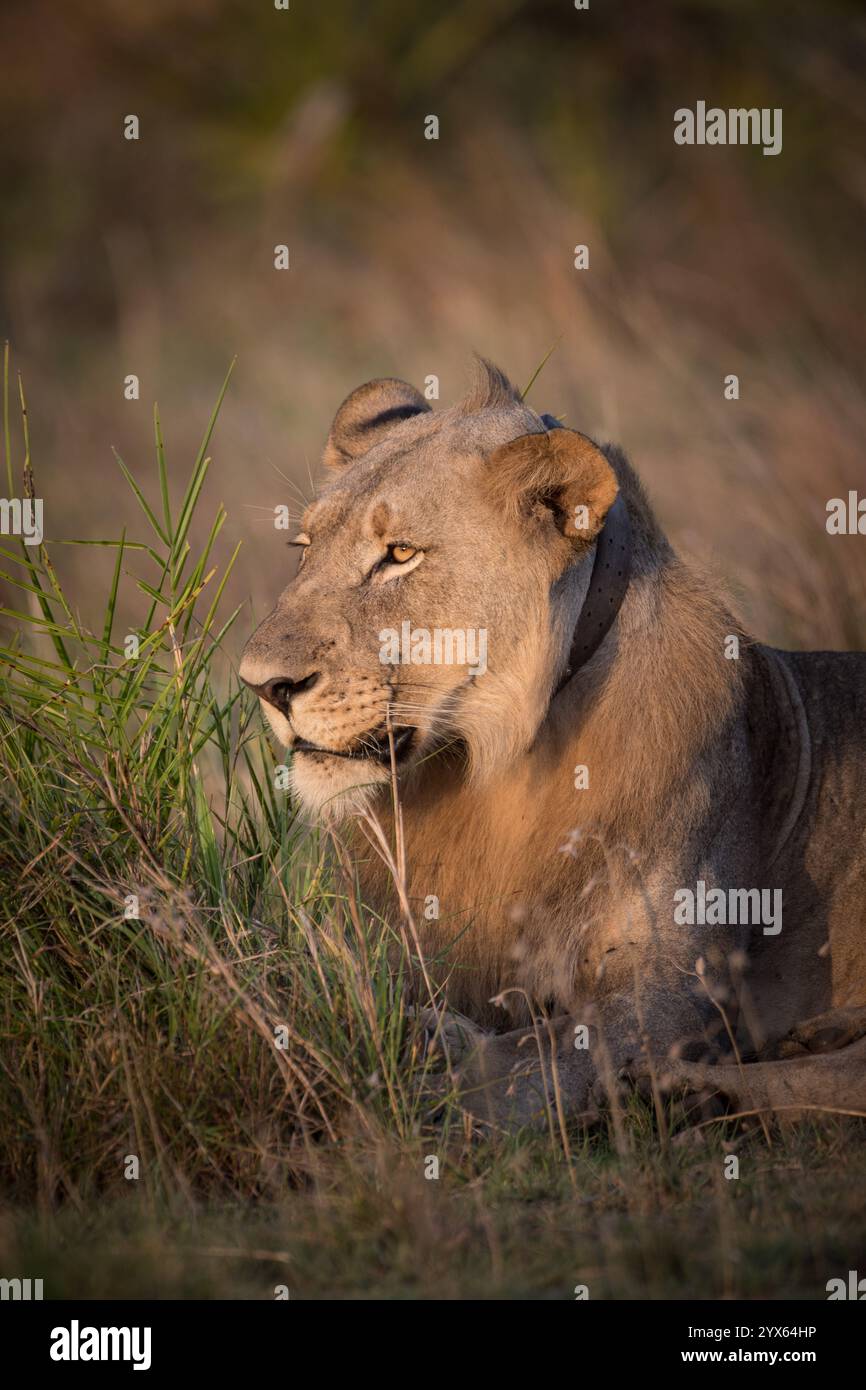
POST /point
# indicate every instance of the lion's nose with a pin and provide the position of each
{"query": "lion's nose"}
(279, 691)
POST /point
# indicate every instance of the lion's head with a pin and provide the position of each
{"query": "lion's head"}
(441, 567)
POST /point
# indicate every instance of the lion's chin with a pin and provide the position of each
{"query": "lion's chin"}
(332, 788)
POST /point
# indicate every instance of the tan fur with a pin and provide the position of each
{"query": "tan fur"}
(551, 897)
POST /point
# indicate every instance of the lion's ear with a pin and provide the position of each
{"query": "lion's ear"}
(561, 470)
(366, 415)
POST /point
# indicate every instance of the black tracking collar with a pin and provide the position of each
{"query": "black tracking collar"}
(611, 572)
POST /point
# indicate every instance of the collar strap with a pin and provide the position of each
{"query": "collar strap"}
(608, 584)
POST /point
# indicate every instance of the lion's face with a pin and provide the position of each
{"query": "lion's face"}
(426, 608)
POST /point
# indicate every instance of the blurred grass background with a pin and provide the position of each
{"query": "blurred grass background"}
(306, 128)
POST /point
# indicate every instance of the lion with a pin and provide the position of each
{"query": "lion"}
(633, 835)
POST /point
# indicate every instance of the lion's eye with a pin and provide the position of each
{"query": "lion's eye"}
(400, 554)
(399, 560)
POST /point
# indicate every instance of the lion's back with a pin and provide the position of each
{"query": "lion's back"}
(832, 686)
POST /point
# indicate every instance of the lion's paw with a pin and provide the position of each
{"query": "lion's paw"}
(445, 1034)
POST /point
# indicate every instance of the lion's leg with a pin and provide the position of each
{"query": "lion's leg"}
(815, 1081)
